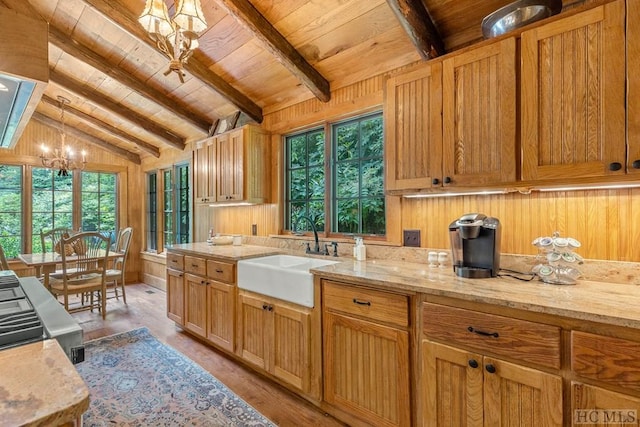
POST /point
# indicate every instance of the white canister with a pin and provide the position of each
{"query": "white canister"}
(237, 240)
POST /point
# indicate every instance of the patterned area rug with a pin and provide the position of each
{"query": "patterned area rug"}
(135, 380)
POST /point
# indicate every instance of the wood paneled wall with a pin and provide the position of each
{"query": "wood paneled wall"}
(603, 220)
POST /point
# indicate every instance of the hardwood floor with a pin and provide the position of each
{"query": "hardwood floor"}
(146, 306)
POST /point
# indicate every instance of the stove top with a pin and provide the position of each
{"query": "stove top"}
(19, 321)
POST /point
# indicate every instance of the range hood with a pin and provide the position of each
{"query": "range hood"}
(24, 71)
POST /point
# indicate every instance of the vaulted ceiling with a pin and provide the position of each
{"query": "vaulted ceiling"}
(255, 56)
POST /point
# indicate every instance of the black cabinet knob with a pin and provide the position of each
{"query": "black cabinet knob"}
(636, 164)
(615, 166)
(447, 180)
(435, 181)
(490, 368)
(473, 363)
(264, 306)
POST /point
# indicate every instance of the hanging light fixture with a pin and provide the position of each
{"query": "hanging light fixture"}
(62, 158)
(177, 38)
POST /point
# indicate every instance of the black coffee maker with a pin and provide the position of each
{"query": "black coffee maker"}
(475, 245)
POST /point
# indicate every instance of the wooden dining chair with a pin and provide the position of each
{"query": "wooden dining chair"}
(51, 238)
(83, 272)
(115, 274)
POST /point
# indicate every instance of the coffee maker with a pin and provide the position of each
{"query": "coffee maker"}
(475, 245)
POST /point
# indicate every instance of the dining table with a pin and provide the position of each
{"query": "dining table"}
(47, 262)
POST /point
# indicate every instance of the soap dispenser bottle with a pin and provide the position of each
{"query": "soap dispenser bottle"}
(361, 250)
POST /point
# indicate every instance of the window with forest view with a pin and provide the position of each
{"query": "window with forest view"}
(152, 211)
(11, 210)
(99, 203)
(52, 203)
(169, 200)
(341, 178)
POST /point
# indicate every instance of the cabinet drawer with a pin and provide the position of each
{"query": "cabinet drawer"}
(195, 265)
(519, 339)
(369, 303)
(221, 271)
(175, 261)
(608, 359)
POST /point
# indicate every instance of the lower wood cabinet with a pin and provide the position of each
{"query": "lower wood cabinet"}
(592, 405)
(366, 356)
(175, 295)
(276, 336)
(463, 388)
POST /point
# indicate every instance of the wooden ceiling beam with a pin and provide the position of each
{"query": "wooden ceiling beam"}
(279, 46)
(125, 113)
(416, 22)
(105, 127)
(114, 11)
(121, 152)
(86, 55)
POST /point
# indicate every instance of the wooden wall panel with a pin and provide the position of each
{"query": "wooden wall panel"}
(602, 220)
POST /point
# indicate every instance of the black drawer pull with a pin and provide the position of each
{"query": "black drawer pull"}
(355, 301)
(483, 333)
(218, 271)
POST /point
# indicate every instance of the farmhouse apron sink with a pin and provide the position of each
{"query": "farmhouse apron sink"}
(285, 277)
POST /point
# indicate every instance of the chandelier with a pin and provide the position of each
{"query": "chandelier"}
(177, 38)
(62, 158)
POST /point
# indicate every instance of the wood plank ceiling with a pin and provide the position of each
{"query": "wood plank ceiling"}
(254, 57)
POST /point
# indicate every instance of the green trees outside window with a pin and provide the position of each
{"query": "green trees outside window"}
(99, 203)
(52, 203)
(11, 210)
(341, 179)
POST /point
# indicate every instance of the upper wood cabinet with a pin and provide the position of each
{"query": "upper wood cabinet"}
(573, 96)
(243, 165)
(453, 123)
(204, 174)
(479, 116)
(233, 167)
(413, 129)
(633, 82)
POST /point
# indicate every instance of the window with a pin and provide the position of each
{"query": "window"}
(341, 179)
(99, 203)
(152, 211)
(170, 189)
(11, 210)
(52, 203)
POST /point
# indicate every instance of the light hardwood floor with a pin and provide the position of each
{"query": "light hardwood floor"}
(146, 306)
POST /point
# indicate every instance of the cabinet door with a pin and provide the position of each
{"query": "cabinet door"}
(596, 406)
(195, 304)
(518, 396)
(230, 166)
(413, 129)
(478, 113)
(204, 160)
(252, 328)
(633, 82)
(366, 370)
(452, 386)
(291, 341)
(175, 295)
(573, 96)
(221, 312)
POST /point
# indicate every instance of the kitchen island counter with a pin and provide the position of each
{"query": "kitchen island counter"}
(40, 386)
(609, 303)
(228, 252)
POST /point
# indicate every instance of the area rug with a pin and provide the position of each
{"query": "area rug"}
(135, 380)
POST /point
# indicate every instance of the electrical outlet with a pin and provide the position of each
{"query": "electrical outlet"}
(254, 229)
(411, 238)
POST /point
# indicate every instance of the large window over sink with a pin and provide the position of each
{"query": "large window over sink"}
(336, 172)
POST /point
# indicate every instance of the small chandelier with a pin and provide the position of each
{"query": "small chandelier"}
(62, 158)
(177, 38)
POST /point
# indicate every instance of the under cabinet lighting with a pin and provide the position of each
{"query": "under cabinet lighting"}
(592, 187)
(468, 193)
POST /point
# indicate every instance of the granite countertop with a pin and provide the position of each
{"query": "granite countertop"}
(615, 304)
(229, 252)
(40, 386)
(610, 303)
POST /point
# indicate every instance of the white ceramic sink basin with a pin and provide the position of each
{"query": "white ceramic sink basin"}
(284, 277)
